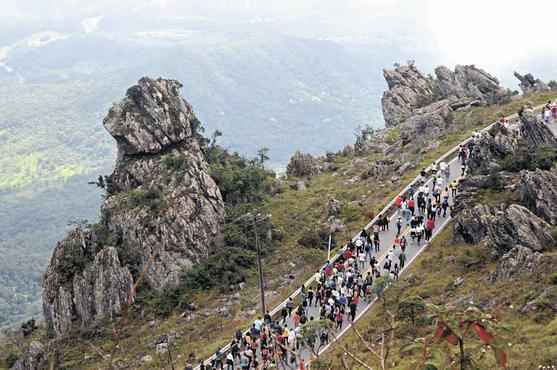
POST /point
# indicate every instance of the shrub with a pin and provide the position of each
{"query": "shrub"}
(524, 159)
(318, 239)
(175, 162)
(150, 198)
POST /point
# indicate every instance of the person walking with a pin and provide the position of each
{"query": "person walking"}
(402, 260)
(398, 226)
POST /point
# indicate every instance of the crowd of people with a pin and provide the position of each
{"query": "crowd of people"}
(346, 284)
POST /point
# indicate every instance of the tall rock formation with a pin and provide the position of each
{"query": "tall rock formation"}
(411, 94)
(529, 84)
(163, 212)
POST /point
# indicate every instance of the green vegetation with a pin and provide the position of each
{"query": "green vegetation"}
(542, 157)
(438, 324)
(150, 198)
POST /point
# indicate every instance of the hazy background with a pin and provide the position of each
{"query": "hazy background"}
(288, 75)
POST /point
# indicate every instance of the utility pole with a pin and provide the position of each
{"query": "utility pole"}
(259, 267)
(329, 248)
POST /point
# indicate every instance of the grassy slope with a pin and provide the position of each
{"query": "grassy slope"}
(295, 213)
(533, 341)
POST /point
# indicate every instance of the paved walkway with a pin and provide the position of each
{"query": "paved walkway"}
(387, 238)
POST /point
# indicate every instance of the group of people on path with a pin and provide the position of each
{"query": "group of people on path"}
(346, 283)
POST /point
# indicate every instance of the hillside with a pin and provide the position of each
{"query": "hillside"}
(361, 178)
(495, 264)
(52, 143)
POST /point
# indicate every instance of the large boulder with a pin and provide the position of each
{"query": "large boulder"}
(163, 213)
(34, 358)
(538, 191)
(529, 84)
(503, 228)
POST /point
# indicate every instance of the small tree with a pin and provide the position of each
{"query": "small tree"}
(471, 331)
(410, 308)
(262, 154)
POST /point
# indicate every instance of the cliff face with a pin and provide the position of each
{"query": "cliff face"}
(411, 94)
(162, 214)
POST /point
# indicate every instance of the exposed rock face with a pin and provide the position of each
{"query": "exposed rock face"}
(470, 82)
(410, 91)
(162, 215)
(538, 191)
(503, 228)
(529, 84)
(501, 141)
(34, 358)
(302, 165)
(516, 262)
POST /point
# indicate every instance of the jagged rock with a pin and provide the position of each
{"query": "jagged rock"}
(408, 90)
(410, 93)
(334, 207)
(502, 228)
(517, 261)
(151, 118)
(534, 132)
(470, 185)
(490, 148)
(430, 120)
(529, 84)
(162, 214)
(470, 82)
(34, 358)
(103, 289)
(538, 191)
(501, 141)
(302, 165)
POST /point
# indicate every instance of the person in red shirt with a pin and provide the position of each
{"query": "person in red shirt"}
(429, 226)
(411, 205)
(398, 201)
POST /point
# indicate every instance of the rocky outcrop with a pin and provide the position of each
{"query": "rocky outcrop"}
(34, 358)
(516, 262)
(534, 132)
(501, 142)
(537, 190)
(408, 90)
(503, 228)
(529, 84)
(469, 82)
(163, 212)
(411, 93)
(302, 165)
